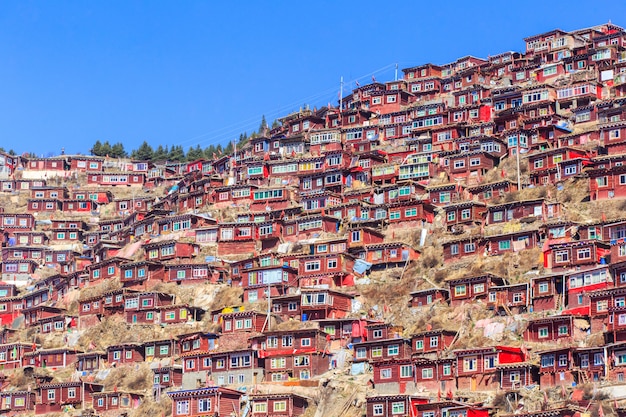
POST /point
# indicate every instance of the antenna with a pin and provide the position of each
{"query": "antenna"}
(396, 77)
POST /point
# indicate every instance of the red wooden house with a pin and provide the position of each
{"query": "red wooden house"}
(167, 376)
(243, 321)
(509, 299)
(431, 341)
(550, 329)
(90, 361)
(476, 369)
(386, 254)
(142, 273)
(105, 401)
(487, 191)
(304, 227)
(169, 249)
(556, 367)
(17, 401)
(106, 269)
(219, 401)
(472, 288)
(388, 405)
(125, 353)
(458, 248)
(429, 296)
(49, 192)
(374, 350)
(581, 254)
(52, 398)
(607, 181)
(393, 376)
(49, 205)
(51, 358)
(15, 222)
(463, 213)
(276, 279)
(434, 374)
(517, 375)
(190, 273)
(299, 354)
(111, 178)
(548, 292)
(277, 404)
(11, 354)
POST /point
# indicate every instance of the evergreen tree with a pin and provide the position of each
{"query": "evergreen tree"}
(12, 152)
(143, 153)
(117, 151)
(96, 149)
(194, 153)
(209, 152)
(262, 126)
(275, 124)
(160, 154)
(176, 154)
(105, 150)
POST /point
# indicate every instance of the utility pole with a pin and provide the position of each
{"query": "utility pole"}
(340, 94)
(519, 181)
(396, 77)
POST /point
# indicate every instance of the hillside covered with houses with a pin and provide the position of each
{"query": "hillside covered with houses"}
(447, 244)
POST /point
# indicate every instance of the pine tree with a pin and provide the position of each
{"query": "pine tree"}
(209, 152)
(176, 154)
(117, 151)
(96, 149)
(194, 154)
(144, 152)
(262, 126)
(159, 154)
(105, 149)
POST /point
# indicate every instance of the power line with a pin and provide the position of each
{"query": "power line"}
(226, 131)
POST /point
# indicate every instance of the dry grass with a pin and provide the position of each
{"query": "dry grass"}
(139, 378)
(149, 407)
(114, 330)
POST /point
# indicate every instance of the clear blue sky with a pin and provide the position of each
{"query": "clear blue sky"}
(189, 72)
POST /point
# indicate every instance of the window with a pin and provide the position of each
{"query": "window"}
(397, 408)
(543, 332)
(419, 344)
(406, 371)
(182, 408)
(280, 406)
(469, 364)
(377, 352)
(51, 394)
(393, 350)
(385, 373)
(547, 361)
(260, 407)
(460, 290)
(434, 341)
(378, 409)
(427, 373)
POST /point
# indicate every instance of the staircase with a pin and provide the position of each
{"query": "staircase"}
(559, 302)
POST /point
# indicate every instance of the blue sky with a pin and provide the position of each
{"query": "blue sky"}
(202, 72)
